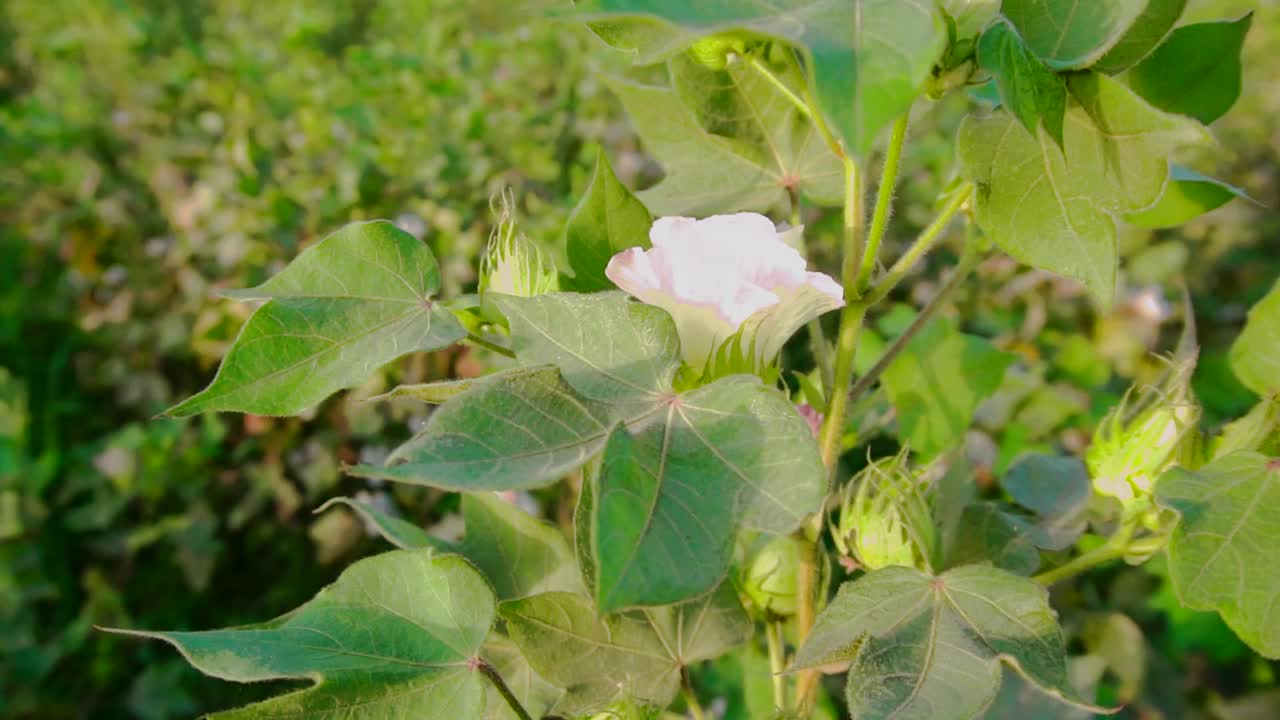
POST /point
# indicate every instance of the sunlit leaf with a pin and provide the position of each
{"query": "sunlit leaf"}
(1072, 34)
(607, 220)
(1187, 196)
(1146, 33)
(1255, 355)
(1196, 71)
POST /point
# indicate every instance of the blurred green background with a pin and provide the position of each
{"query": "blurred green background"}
(153, 153)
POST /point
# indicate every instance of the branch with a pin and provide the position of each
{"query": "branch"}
(884, 201)
(500, 685)
(922, 245)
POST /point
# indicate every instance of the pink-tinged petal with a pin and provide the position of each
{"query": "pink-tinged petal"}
(825, 284)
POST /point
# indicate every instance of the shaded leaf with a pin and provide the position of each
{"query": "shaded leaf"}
(1196, 71)
(671, 494)
(1028, 88)
(988, 534)
(927, 647)
(534, 693)
(438, 393)
(870, 58)
(937, 383)
(393, 637)
(1072, 34)
(1222, 553)
(607, 220)
(1255, 355)
(1146, 33)
(354, 302)
(518, 554)
(1187, 196)
(1022, 700)
(1053, 210)
(1055, 488)
(397, 531)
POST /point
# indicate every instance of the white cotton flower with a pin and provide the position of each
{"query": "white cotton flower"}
(725, 278)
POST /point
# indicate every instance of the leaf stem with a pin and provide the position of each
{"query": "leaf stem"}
(759, 66)
(1116, 547)
(968, 261)
(777, 663)
(491, 346)
(850, 320)
(884, 201)
(690, 697)
(500, 685)
(921, 246)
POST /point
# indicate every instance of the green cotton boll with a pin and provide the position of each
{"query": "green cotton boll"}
(512, 264)
(770, 581)
(1130, 451)
(885, 519)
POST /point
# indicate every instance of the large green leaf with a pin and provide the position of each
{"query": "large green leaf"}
(1028, 88)
(607, 220)
(1196, 71)
(937, 383)
(607, 347)
(1072, 34)
(396, 636)
(636, 655)
(535, 694)
(671, 495)
(1255, 355)
(1187, 196)
(357, 300)
(1056, 488)
(870, 58)
(509, 432)
(925, 647)
(987, 533)
(1146, 33)
(1053, 210)
(1222, 553)
(518, 554)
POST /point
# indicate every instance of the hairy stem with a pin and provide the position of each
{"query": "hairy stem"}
(491, 674)
(777, 663)
(922, 245)
(884, 202)
(690, 697)
(967, 263)
(491, 346)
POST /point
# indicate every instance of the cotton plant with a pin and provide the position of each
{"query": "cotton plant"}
(654, 369)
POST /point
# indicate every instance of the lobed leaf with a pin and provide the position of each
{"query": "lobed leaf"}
(1196, 71)
(607, 220)
(518, 554)
(1072, 34)
(357, 300)
(1144, 35)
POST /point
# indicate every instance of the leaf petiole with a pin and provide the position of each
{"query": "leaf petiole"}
(487, 345)
(884, 201)
(491, 674)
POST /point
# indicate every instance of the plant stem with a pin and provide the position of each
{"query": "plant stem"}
(884, 201)
(1113, 549)
(777, 663)
(759, 66)
(967, 263)
(690, 697)
(493, 347)
(922, 245)
(501, 686)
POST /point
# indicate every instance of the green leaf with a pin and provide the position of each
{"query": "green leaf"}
(636, 654)
(870, 58)
(1196, 71)
(1187, 196)
(1222, 553)
(393, 637)
(1258, 430)
(1028, 88)
(672, 493)
(1055, 488)
(1072, 34)
(1053, 210)
(607, 220)
(607, 347)
(518, 554)
(924, 647)
(1146, 33)
(438, 393)
(971, 16)
(534, 693)
(397, 531)
(507, 433)
(357, 300)
(1255, 355)
(1022, 700)
(937, 383)
(988, 534)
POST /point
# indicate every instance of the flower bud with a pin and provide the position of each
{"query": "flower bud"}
(770, 579)
(884, 517)
(512, 264)
(1141, 437)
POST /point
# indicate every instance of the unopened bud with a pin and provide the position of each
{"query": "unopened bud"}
(513, 264)
(885, 519)
(770, 582)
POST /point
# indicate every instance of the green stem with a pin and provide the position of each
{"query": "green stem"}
(922, 245)
(759, 66)
(500, 685)
(1114, 549)
(777, 663)
(967, 263)
(493, 347)
(690, 697)
(884, 201)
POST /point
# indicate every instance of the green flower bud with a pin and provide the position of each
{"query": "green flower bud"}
(884, 519)
(1141, 437)
(770, 579)
(714, 51)
(512, 264)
